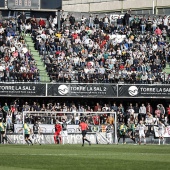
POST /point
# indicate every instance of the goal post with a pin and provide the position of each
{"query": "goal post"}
(100, 131)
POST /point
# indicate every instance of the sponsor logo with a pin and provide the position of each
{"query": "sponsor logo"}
(133, 91)
(63, 89)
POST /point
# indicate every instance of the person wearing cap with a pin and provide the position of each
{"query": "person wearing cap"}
(83, 126)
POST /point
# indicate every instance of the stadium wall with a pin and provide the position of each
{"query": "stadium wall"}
(101, 6)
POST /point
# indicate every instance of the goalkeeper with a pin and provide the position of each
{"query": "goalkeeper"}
(122, 132)
(57, 134)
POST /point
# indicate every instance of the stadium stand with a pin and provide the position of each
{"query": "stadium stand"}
(17, 64)
(100, 50)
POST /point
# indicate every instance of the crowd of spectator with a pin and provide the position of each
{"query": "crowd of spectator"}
(129, 49)
(17, 64)
(48, 113)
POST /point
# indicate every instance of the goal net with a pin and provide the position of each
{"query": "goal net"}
(102, 127)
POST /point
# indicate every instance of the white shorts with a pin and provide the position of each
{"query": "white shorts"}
(141, 134)
(64, 133)
(161, 133)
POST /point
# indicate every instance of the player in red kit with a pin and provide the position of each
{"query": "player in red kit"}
(57, 136)
(84, 126)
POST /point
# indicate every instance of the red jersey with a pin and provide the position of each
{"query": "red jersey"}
(168, 110)
(83, 126)
(58, 128)
(96, 120)
(42, 23)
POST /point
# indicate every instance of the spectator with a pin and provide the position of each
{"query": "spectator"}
(158, 31)
(42, 23)
(142, 112)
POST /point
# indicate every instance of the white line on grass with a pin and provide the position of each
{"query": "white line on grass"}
(62, 154)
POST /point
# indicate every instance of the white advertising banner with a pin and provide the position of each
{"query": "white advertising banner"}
(167, 132)
(75, 138)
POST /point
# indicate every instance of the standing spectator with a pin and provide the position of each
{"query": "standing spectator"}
(120, 118)
(162, 109)
(42, 23)
(83, 20)
(96, 120)
(23, 18)
(143, 25)
(96, 22)
(158, 112)
(154, 24)
(97, 107)
(142, 112)
(121, 108)
(114, 107)
(165, 22)
(119, 22)
(5, 110)
(91, 21)
(110, 120)
(136, 110)
(168, 113)
(1, 114)
(72, 19)
(126, 18)
(149, 108)
(9, 120)
(106, 21)
(55, 22)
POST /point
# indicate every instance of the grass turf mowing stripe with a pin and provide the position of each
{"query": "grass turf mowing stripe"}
(75, 157)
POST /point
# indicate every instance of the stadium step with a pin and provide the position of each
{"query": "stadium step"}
(40, 65)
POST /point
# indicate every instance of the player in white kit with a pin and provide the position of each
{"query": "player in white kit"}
(142, 128)
(161, 132)
(64, 130)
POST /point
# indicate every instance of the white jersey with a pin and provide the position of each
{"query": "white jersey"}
(141, 127)
(161, 130)
(161, 127)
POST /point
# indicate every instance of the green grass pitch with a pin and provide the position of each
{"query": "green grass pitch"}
(76, 157)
